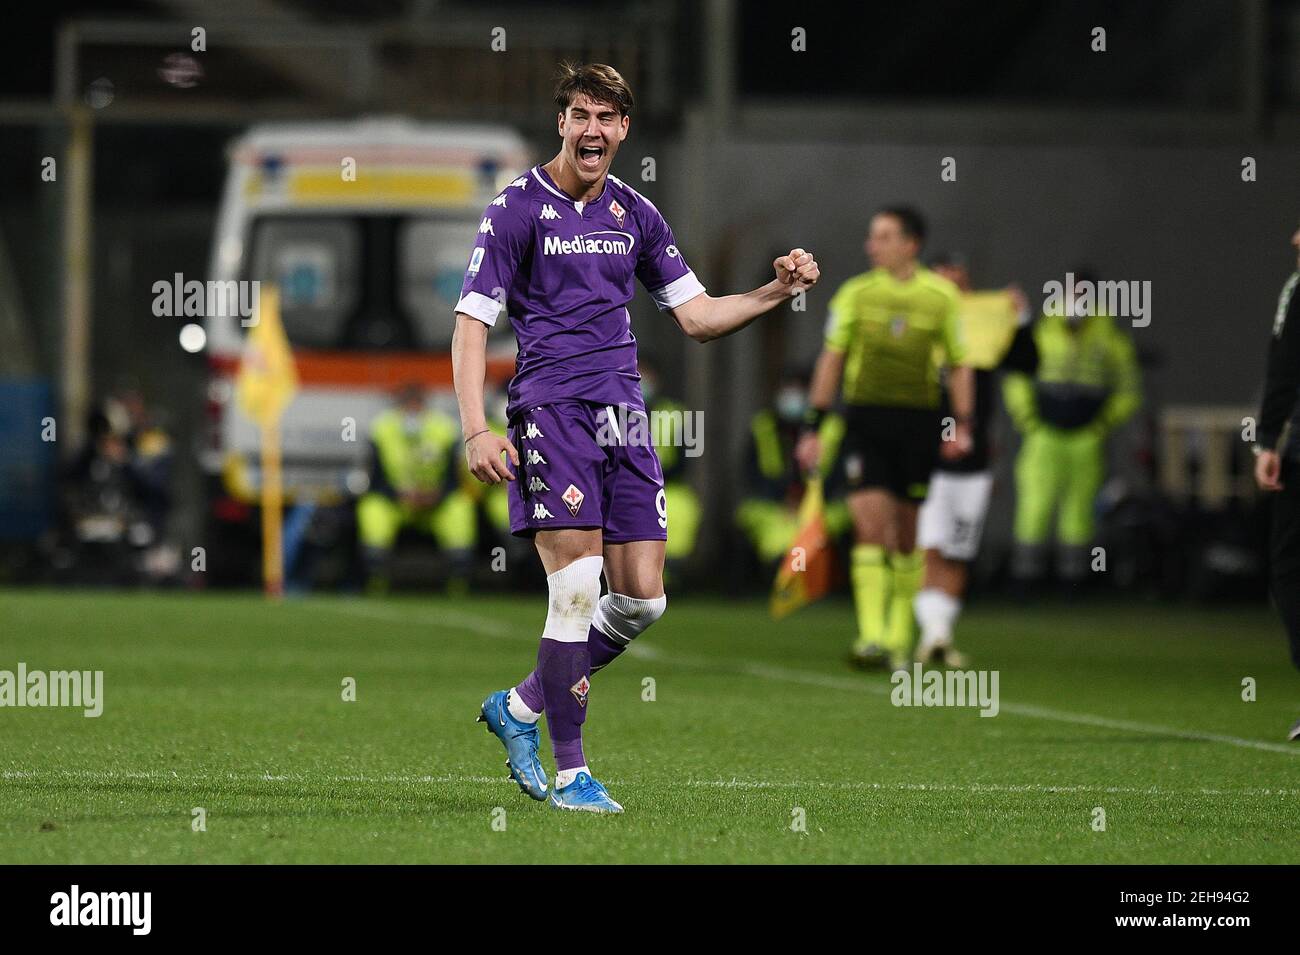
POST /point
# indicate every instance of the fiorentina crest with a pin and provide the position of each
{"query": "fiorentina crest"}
(573, 499)
(579, 691)
(615, 208)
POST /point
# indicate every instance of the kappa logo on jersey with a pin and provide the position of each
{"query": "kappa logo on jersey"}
(605, 241)
(540, 513)
(476, 260)
(500, 201)
(580, 691)
(534, 457)
(618, 210)
(548, 212)
(536, 485)
(519, 183)
(572, 499)
(532, 431)
(486, 226)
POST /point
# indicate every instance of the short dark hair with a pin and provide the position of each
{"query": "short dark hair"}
(598, 81)
(913, 222)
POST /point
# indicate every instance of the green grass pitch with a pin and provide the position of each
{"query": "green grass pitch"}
(235, 705)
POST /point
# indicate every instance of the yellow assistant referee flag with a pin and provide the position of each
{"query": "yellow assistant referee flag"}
(988, 322)
(806, 571)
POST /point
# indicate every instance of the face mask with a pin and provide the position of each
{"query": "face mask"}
(790, 404)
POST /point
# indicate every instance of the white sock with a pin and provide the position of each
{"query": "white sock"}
(519, 710)
(565, 776)
(936, 612)
(574, 592)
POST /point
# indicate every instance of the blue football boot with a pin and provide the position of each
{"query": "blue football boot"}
(520, 741)
(584, 794)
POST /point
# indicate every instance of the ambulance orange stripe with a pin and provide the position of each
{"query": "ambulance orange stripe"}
(375, 370)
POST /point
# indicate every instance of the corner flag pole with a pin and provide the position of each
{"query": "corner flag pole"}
(266, 385)
(272, 511)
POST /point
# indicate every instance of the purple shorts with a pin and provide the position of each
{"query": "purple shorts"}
(577, 468)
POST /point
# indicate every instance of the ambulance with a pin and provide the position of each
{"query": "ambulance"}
(365, 227)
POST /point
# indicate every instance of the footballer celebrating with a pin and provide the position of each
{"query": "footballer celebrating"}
(559, 249)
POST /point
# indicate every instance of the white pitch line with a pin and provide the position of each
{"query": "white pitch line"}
(88, 775)
(824, 680)
(1020, 709)
(448, 619)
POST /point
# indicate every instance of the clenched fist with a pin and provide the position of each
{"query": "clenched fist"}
(798, 270)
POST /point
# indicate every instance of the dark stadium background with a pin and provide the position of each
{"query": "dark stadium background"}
(1127, 161)
(1145, 716)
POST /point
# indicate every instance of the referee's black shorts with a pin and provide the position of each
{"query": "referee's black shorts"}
(890, 448)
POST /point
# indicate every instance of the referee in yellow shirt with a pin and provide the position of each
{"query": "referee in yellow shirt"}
(886, 328)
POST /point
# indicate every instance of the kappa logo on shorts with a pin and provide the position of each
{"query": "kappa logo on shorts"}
(540, 513)
(534, 457)
(536, 485)
(532, 431)
(573, 499)
(580, 691)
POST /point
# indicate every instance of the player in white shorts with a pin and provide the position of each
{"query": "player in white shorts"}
(996, 332)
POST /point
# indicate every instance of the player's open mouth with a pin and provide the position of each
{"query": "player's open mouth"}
(590, 156)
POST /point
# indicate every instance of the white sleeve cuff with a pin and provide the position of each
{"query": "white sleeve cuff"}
(678, 292)
(477, 305)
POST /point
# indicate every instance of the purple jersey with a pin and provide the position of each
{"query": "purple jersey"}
(564, 270)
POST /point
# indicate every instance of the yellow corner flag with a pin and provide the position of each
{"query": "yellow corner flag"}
(805, 573)
(267, 377)
(266, 383)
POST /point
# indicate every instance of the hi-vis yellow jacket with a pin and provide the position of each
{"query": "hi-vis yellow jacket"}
(413, 462)
(1087, 377)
